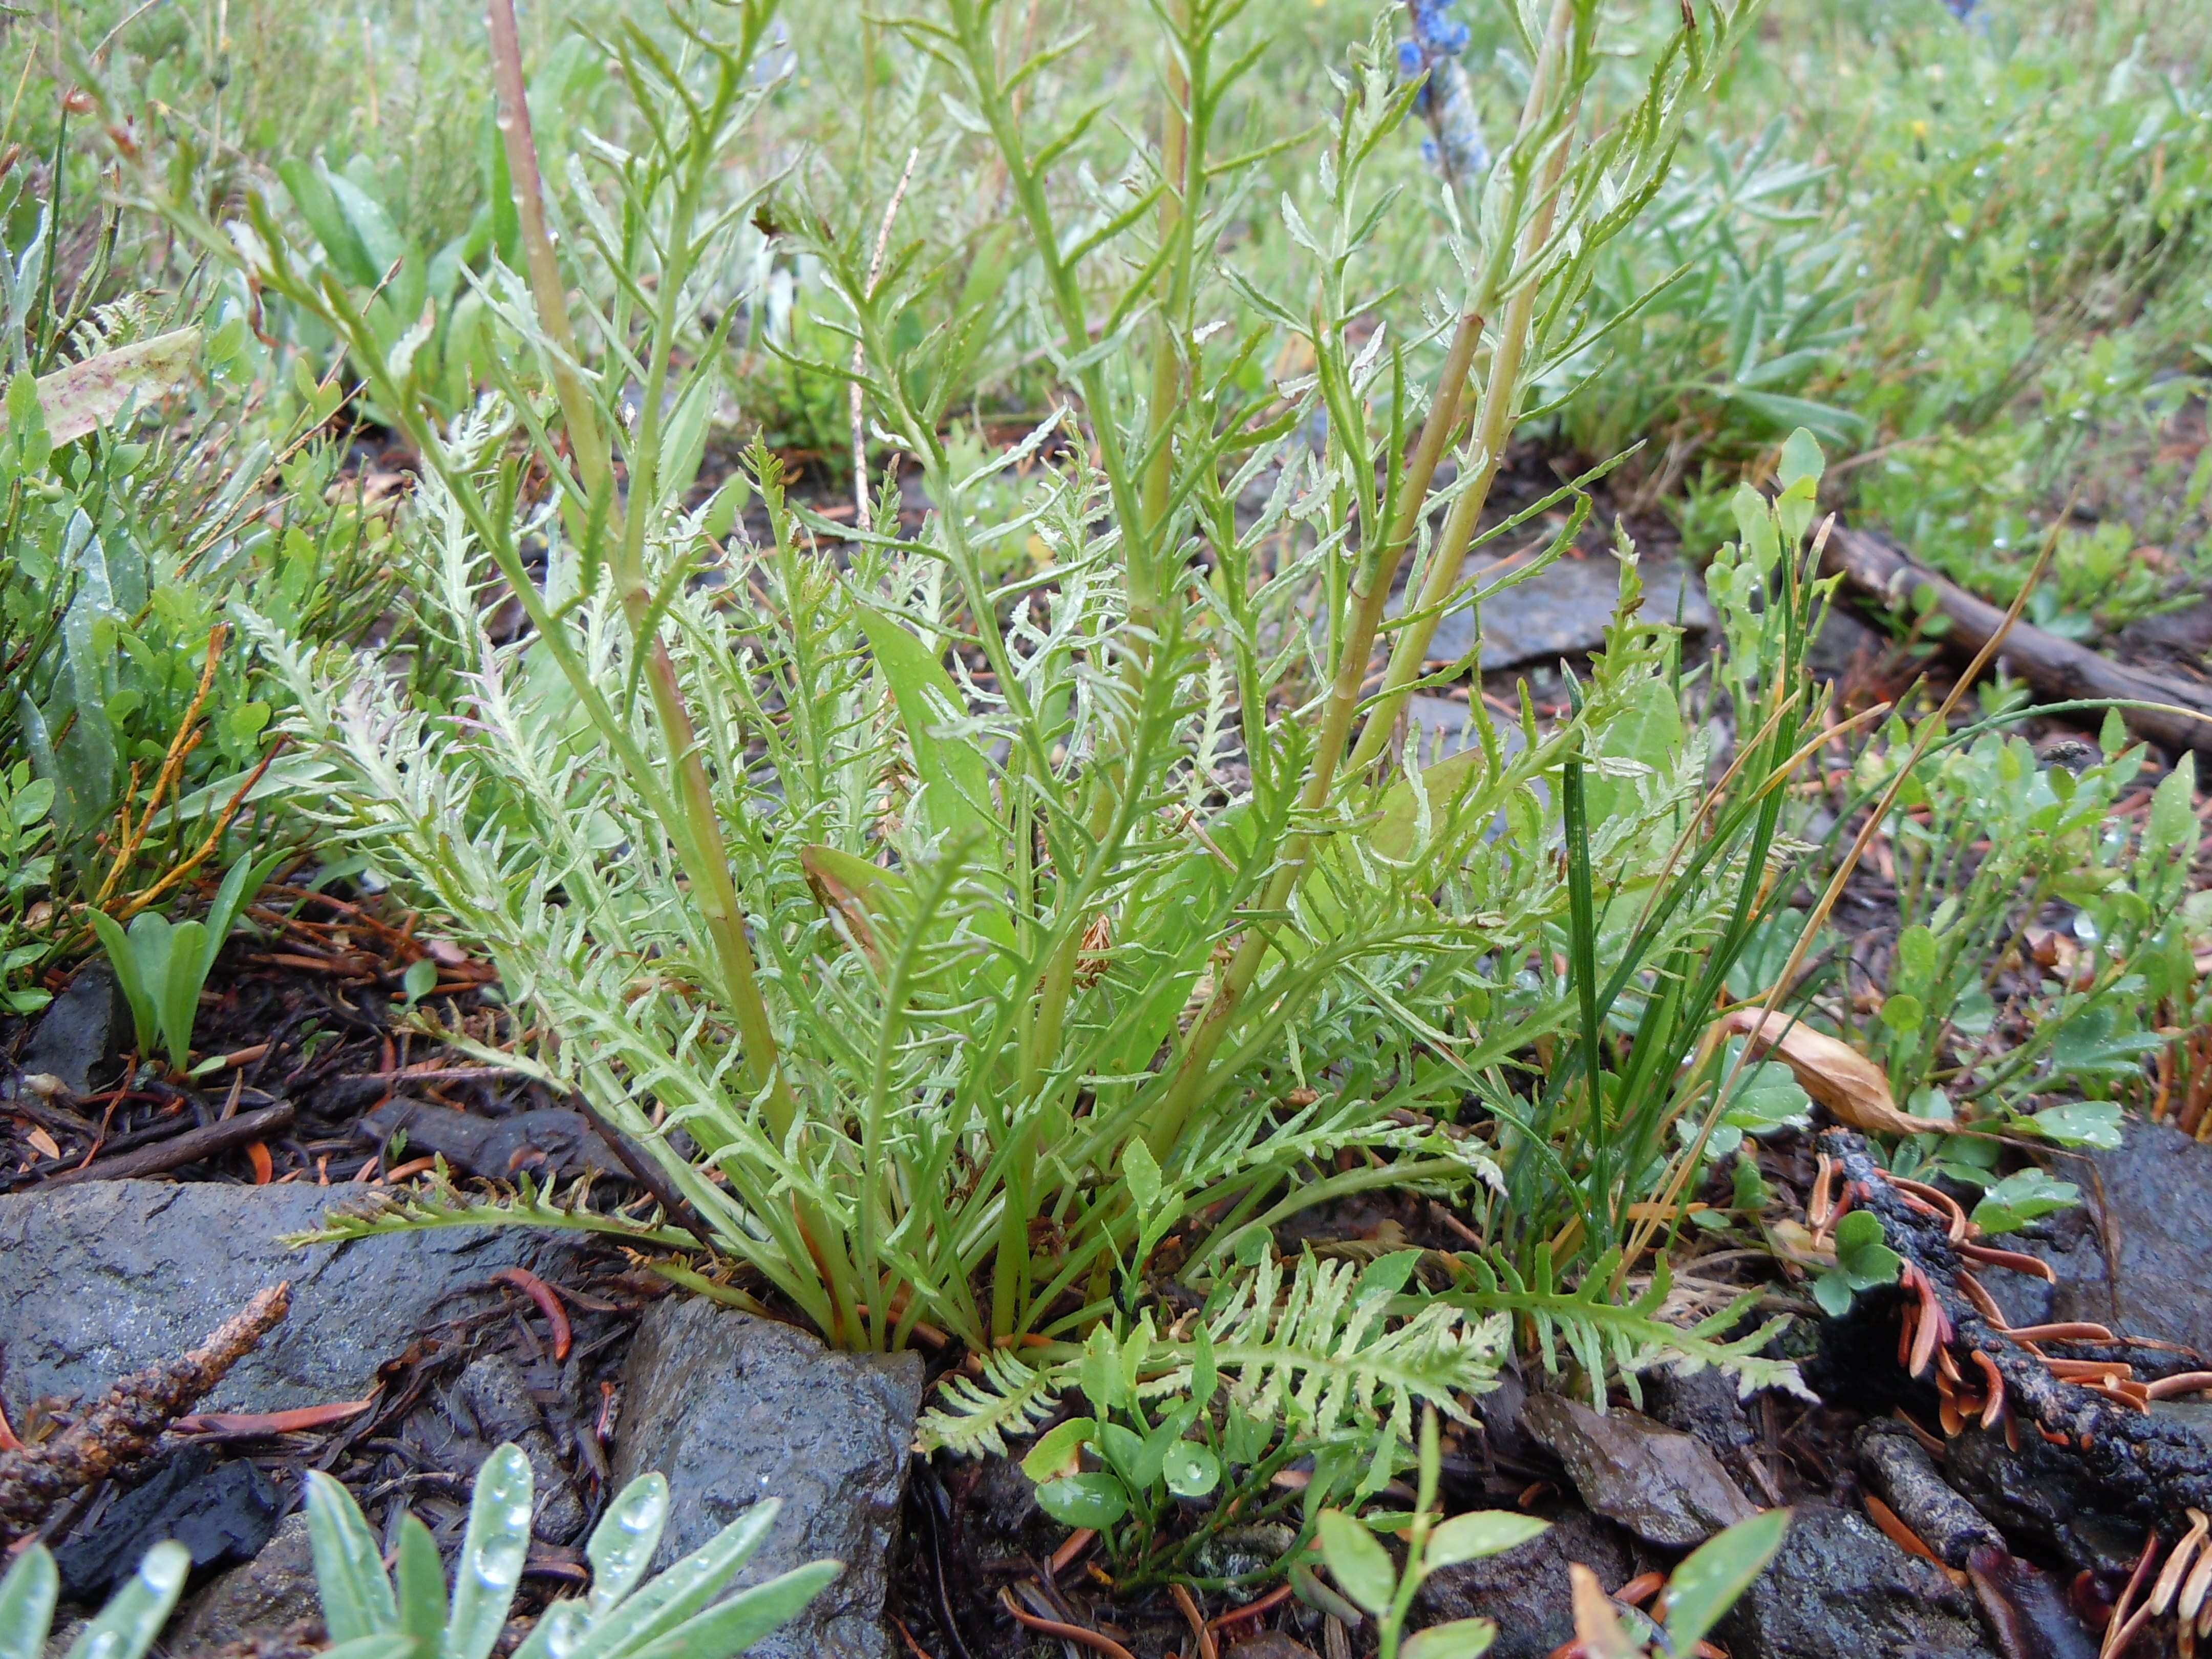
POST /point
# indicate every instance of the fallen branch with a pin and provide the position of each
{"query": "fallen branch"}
(122, 1424)
(1882, 577)
(189, 1147)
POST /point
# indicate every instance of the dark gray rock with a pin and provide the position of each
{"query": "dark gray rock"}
(2043, 1496)
(2129, 1257)
(1665, 1486)
(111, 1276)
(493, 1398)
(1839, 1590)
(733, 1409)
(1562, 612)
(80, 1030)
(1526, 1589)
(1704, 1404)
(271, 1594)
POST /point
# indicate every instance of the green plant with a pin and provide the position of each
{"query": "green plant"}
(1699, 1590)
(910, 999)
(1253, 1391)
(123, 1629)
(1987, 1010)
(161, 965)
(681, 1613)
(1863, 1262)
(27, 868)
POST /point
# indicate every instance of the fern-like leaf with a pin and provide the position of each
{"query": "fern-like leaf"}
(1608, 1339)
(439, 1203)
(1010, 1399)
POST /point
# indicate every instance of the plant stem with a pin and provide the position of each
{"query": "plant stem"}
(546, 287)
(1495, 418)
(1193, 1072)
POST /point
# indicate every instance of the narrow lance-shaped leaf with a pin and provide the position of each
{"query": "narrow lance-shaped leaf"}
(87, 395)
(492, 1553)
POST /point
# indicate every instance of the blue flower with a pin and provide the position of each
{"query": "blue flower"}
(1445, 98)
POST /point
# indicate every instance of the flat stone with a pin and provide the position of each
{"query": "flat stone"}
(1665, 1486)
(271, 1594)
(1526, 1589)
(76, 1035)
(2131, 1257)
(734, 1409)
(1562, 612)
(109, 1277)
(1838, 1590)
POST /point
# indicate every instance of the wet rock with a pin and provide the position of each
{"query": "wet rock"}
(1526, 1589)
(2042, 1499)
(550, 1142)
(1838, 1588)
(1903, 1477)
(2131, 1257)
(269, 1594)
(1273, 1645)
(112, 1276)
(224, 1511)
(1663, 1486)
(1706, 1404)
(733, 1409)
(490, 1406)
(77, 1034)
(2028, 1609)
(1562, 612)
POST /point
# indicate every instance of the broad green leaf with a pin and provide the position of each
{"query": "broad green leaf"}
(180, 994)
(33, 802)
(2018, 1199)
(357, 1598)
(1124, 1450)
(955, 781)
(89, 393)
(1392, 834)
(492, 1553)
(1058, 1448)
(744, 1619)
(1357, 1560)
(144, 1019)
(1097, 1501)
(1801, 460)
(309, 187)
(671, 1598)
(127, 1625)
(1478, 1533)
(421, 1576)
(238, 890)
(2086, 1124)
(1100, 1376)
(1142, 1174)
(1707, 1583)
(1463, 1638)
(857, 894)
(1190, 1470)
(27, 1594)
(621, 1547)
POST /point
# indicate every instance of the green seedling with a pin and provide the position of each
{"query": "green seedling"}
(123, 1629)
(1863, 1262)
(162, 965)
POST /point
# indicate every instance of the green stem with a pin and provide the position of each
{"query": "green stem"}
(1495, 418)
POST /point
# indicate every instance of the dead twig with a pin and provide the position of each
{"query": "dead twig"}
(124, 1423)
